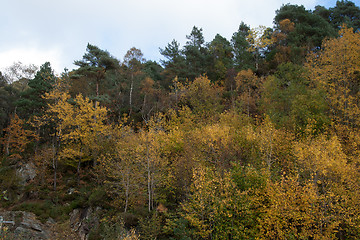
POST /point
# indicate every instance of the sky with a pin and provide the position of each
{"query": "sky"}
(58, 31)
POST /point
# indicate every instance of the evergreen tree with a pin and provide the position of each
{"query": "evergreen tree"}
(310, 29)
(31, 101)
(8, 95)
(221, 54)
(243, 59)
(95, 68)
(196, 54)
(345, 12)
(175, 63)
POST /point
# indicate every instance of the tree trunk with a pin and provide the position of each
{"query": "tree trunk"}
(149, 175)
(7, 145)
(131, 90)
(97, 94)
(127, 186)
(248, 103)
(56, 148)
(78, 168)
(55, 166)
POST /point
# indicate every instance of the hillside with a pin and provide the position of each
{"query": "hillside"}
(256, 137)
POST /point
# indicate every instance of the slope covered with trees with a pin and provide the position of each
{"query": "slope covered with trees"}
(256, 137)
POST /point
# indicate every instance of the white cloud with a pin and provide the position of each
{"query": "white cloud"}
(31, 56)
(58, 31)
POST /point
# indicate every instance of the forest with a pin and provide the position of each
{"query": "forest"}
(253, 137)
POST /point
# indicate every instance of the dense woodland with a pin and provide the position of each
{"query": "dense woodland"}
(253, 137)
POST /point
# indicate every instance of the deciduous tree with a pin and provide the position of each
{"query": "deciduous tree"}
(16, 138)
(336, 71)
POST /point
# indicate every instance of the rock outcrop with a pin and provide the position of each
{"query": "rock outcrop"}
(26, 173)
(83, 220)
(26, 226)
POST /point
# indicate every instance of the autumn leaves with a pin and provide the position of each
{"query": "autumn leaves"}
(272, 157)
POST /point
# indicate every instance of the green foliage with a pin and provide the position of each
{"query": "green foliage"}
(45, 209)
(196, 54)
(114, 228)
(97, 197)
(345, 12)
(310, 29)
(203, 97)
(31, 101)
(96, 68)
(290, 102)
(177, 228)
(174, 63)
(8, 95)
(243, 58)
(9, 182)
(150, 226)
(220, 51)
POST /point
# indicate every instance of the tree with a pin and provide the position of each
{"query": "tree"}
(220, 51)
(334, 180)
(8, 96)
(155, 71)
(86, 132)
(203, 97)
(122, 167)
(297, 32)
(31, 101)
(243, 59)
(227, 205)
(95, 67)
(199, 209)
(310, 29)
(19, 71)
(133, 61)
(150, 94)
(196, 54)
(345, 12)
(79, 129)
(154, 164)
(289, 100)
(335, 70)
(59, 115)
(247, 86)
(16, 138)
(259, 39)
(292, 210)
(322, 12)
(285, 52)
(175, 63)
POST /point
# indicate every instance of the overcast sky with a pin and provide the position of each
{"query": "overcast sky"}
(36, 31)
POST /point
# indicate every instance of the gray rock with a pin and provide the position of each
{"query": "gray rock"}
(26, 173)
(26, 226)
(83, 220)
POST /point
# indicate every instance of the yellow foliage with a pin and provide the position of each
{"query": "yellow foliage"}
(258, 39)
(79, 127)
(203, 98)
(16, 138)
(213, 140)
(247, 84)
(284, 51)
(335, 180)
(292, 212)
(321, 156)
(273, 145)
(335, 69)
